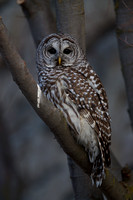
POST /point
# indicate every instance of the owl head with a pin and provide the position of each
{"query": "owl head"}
(58, 50)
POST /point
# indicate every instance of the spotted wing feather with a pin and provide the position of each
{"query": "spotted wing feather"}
(83, 94)
(99, 111)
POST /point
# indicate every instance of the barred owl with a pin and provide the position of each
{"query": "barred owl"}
(69, 82)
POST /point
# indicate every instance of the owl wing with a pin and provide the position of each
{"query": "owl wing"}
(96, 84)
(93, 106)
(82, 107)
(94, 81)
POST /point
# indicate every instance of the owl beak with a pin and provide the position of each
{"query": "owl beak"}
(59, 60)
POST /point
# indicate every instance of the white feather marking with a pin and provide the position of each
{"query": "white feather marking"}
(39, 94)
(87, 115)
(94, 86)
(59, 89)
(82, 99)
(73, 116)
(93, 125)
(91, 77)
(88, 138)
(48, 96)
(71, 110)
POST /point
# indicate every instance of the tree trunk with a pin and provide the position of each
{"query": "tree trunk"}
(124, 29)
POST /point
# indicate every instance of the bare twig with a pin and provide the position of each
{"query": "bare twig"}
(126, 41)
(126, 6)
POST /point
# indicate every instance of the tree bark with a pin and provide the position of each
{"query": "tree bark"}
(70, 19)
(82, 185)
(124, 30)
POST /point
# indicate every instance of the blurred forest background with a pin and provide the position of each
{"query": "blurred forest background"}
(32, 164)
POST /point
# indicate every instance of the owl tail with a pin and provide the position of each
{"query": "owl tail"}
(98, 172)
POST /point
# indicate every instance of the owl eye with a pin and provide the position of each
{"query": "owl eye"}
(67, 51)
(52, 50)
